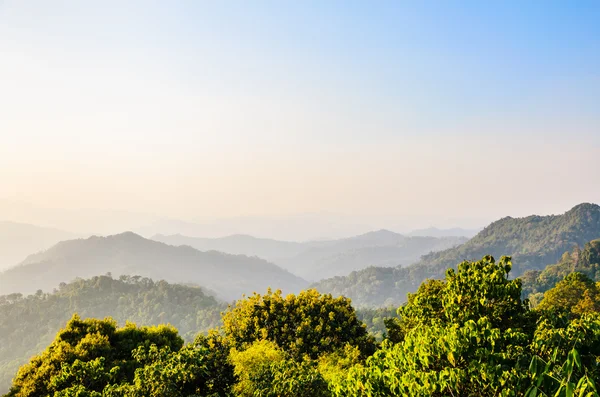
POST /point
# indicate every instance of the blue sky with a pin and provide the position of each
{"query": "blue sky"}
(115, 102)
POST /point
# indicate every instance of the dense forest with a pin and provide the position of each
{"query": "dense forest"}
(469, 334)
(584, 260)
(533, 242)
(30, 323)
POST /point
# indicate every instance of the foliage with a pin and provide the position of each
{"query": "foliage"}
(253, 366)
(28, 324)
(89, 353)
(472, 335)
(469, 334)
(305, 324)
(376, 319)
(585, 261)
(576, 294)
(551, 379)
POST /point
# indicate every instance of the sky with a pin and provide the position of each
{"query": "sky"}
(384, 114)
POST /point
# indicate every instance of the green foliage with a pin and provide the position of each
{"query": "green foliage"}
(89, 353)
(305, 324)
(217, 351)
(266, 370)
(463, 336)
(376, 320)
(28, 324)
(95, 358)
(372, 287)
(576, 294)
(470, 334)
(550, 378)
(585, 261)
(254, 367)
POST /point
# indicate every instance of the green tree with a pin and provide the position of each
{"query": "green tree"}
(576, 294)
(465, 336)
(305, 324)
(89, 354)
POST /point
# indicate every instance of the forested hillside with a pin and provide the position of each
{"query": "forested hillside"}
(315, 260)
(127, 253)
(28, 324)
(533, 242)
(469, 334)
(584, 260)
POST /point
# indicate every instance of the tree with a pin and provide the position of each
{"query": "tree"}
(576, 294)
(89, 354)
(305, 324)
(464, 336)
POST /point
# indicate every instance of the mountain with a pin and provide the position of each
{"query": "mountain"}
(28, 324)
(315, 260)
(378, 248)
(533, 242)
(238, 244)
(453, 232)
(128, 253)
(17, 240)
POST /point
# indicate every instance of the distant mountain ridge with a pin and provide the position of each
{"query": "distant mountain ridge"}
(17, 240)
(314, 260)
(533, 242)
(229, 276)
(453, 232)
(236, 244)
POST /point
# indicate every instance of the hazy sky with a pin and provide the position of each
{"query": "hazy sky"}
(390, 113)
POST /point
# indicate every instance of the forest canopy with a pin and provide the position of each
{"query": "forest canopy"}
(469, 334)
(29, 323)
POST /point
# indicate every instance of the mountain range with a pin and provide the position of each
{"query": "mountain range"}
(128, 253)
(533, 242)
(17, 240)
(315, 260)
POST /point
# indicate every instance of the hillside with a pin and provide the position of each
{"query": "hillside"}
(584, 260)
(28, 324)
(17, 240)
(127, 253)
(533, 242)
(316, 260)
